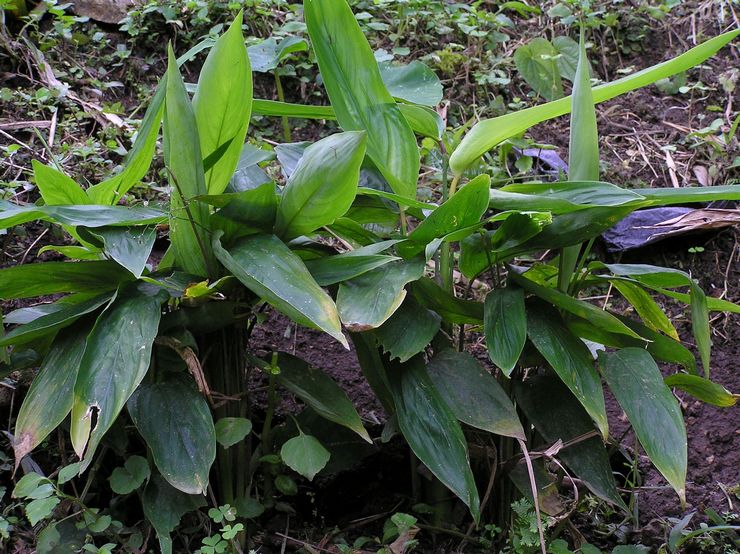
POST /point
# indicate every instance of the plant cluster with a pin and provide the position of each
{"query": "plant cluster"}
(155, 350)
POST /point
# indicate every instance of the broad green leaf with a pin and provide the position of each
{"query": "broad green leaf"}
(536, 62)
(557, 415)
(571, 360)
(452, 309)
(129, 246)
(184, 162)
(232, 430)
(599, 318)
(490, 132)
(462, 210)
(473, 394)
(138, 159)
(703, 389)
(41, 508)
(648, 310)
(422, 120)
(367, 301)
(269, 269)
(330, 270)
(50, 398)
(56, 188)
(28, 484)
(320, 392)
(116, 359)
(40, 279)
(52, 322)
(267, 55)
(176, 424)
(222, 105)
(414, 82)
(74, 252)
(130, 476)
(568, 52)
(358, 95)
(408, 331)
(164, 505)
(684, 195)
(83, 215)
(652, 410)
(432, 430)
(323, 185)
(505, 327)
(305, 455)
(252, 209)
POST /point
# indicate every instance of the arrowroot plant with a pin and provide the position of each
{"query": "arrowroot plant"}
(345, 246)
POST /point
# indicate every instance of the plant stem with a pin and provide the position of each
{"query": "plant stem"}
(281, 97)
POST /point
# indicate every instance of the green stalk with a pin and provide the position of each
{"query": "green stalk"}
(281, 98)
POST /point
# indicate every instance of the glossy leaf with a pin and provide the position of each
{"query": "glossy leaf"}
(50, 398)
(30, 280)
(505, 327)
(222, 105)
(358, 95)
(473, 394)
(52, 322)
(86, 215)
(490, 132)
(305, 455)
(652, 410)
(254, 208)
(320, 392)
(452, 309)
(323, 185)
(184, 162)
(130, 247)
(267, 55)
(648, 310)
(139, 158)
(175, 421)
(164, 506)
(432, 430)
(56, 188)
(557, 415)
(414, 82)
(116, 359)
(684, 195)
(269, 269)
(367, 301)
(571, 360)
(343, 267)
(409, 330)
(703, 389)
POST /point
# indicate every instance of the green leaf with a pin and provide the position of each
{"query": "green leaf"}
(139, 158)
(164, 506)
(131, 476)
(414, 82)
(115, 361)
(56, 188)
(473, 394)
(652, 410)
(129, 246)
(423, 121)
(462, 210)
(267, 55)
(68, 472)
(176, 424)
(703, 389)
(367, 301)
(536, 62)
(432, 430)
(358, 95)
(648, 310)
(52, 322)
(269, 269)
(41, 508)
(409, 330)
(28, 484)
(684, 195)
(182, 157)
(251, 209)
(50, 397)
(232, 430)
(452, 309)
(87, 215)
(323, 185)
(490, 132)
(305, 455)
(571, 360)
(320, 392)
(505, 327)
(30, 280)
(222, 105)
(568, 52)
(558, 415)
(330, 270)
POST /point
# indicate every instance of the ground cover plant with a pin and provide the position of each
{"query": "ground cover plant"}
(151, 356)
